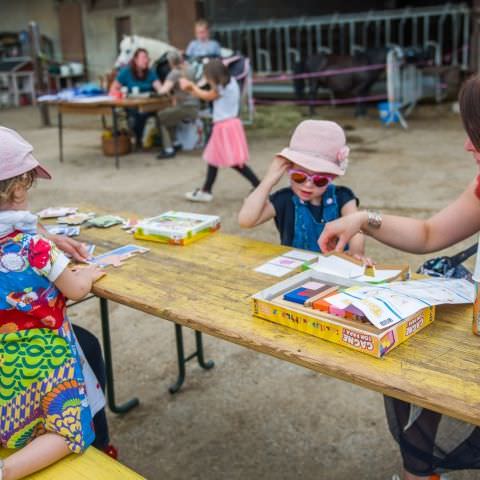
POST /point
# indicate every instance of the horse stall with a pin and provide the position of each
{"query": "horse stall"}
(438, 35)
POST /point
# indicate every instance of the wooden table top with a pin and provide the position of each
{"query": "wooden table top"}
(207, 286)
(144, 103)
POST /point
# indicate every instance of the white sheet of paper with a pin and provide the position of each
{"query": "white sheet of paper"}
(338, 266)
(299, 255)
(274, 270)
(389, 304)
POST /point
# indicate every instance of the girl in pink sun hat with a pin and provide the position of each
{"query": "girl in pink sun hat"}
(316, 155)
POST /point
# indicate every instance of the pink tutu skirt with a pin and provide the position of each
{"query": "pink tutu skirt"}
(227, 146)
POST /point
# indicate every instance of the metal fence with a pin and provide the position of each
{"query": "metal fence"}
(274, 46)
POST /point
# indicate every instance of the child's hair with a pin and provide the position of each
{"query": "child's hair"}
(469, 99)
(7, 187)
(202, 23)
(137, 72)
(216, 72)
(174, 58)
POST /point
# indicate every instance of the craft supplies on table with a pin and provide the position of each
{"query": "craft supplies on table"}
(177, 228)
(370, 319)
(66, 230)
(286, 263)
(76, 218)
(105, 221)
(476, 303)
(55, 212)
(117, 256)
(346, 266)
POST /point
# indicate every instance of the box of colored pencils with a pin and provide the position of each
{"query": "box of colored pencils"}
(177, 228)
(302, 303)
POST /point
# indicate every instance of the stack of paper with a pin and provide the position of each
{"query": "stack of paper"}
(286, 263)
(388, 304)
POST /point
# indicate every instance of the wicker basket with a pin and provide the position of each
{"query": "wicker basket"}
(124, 144)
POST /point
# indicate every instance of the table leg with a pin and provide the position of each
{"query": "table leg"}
(60, 134)
(182, 360)
(115, 136)
(107, 351)
(45, 114)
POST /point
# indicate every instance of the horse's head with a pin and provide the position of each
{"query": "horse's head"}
(127, 46)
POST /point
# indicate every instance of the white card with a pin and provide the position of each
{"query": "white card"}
(299, 255)
(312, 285)
(274, 270)
(286, 262)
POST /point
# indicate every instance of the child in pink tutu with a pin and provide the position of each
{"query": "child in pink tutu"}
(227, 146)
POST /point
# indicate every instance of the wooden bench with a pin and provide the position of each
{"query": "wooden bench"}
(91, 465)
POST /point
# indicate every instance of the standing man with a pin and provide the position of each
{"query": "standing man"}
(202, 46)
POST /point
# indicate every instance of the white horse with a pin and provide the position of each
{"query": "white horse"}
(155, 49)
(128, 45)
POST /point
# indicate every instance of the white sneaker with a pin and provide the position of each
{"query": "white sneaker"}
(199, 196)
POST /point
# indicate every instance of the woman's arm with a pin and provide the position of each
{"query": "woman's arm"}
(357, 242)
(206, 95)
(115, 87)
(159, 88)
(454, 223)
(257, 208)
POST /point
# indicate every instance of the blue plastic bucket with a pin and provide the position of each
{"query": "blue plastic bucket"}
(388, 112)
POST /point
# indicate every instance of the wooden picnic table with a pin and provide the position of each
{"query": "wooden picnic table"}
(102, 108)
(207, 285)
(90, 465)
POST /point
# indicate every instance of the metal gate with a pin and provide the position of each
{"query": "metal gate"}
(274, 46)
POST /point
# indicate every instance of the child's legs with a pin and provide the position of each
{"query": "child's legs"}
(93, 353)
(38, 454)
(248, 173)
(210, 180)
(417, 443)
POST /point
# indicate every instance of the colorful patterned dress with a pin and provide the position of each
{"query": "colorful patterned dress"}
(42, 386)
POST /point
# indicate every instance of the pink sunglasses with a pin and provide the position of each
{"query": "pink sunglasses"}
(299, 176)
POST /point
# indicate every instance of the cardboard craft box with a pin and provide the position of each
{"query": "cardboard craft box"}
(354, 334)
(177, 228)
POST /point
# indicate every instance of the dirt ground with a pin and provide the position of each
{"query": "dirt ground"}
(252, 416)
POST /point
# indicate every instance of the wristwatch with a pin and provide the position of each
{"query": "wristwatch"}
(374, 219)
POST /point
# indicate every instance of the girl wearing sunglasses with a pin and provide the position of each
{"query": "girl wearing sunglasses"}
(316, 156)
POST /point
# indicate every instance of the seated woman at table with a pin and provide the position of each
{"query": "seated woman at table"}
(430, 443)
(137, 76)
(45, 408)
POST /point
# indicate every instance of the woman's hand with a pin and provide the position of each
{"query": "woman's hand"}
(277, 170)
(338, 233)
(185, 84)
(367, 261)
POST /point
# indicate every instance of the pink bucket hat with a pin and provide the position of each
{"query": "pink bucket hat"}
(319, 146)
(16, 156)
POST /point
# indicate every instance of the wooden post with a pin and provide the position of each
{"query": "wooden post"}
(182, 15)
(475, 38)
(34, 35)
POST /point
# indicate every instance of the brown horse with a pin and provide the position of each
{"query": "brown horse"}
(353, 84)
